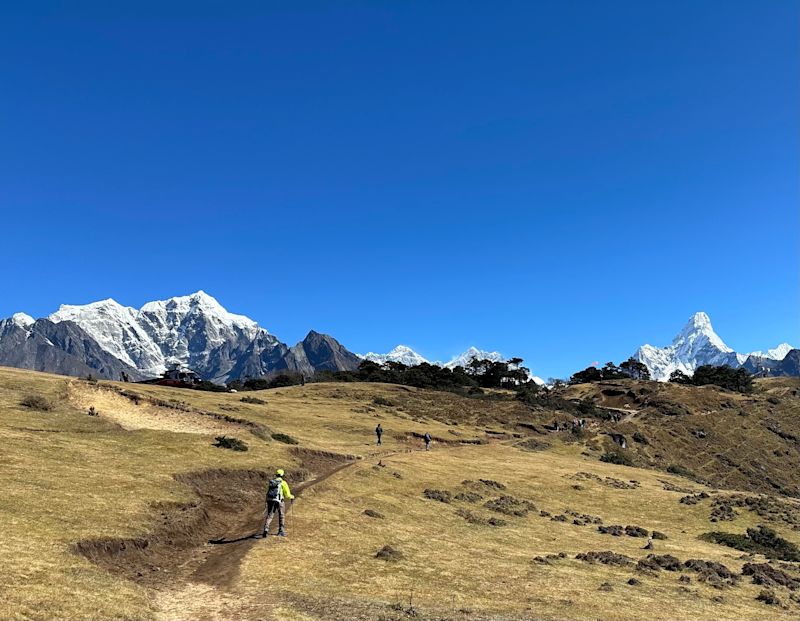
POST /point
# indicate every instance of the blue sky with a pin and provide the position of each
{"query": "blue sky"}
(557, 180)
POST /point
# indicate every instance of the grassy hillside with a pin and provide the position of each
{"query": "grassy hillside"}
(111, 516)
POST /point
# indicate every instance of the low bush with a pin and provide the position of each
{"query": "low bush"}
(38, 402)
(285, 438)
(234, 444)
(382, 401)
(681, 471)
(761, 540)
(615, 457)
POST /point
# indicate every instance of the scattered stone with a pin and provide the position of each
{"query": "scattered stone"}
(606, 586)
(493, 484)
(634, 581)
(685, 580)
(558, 518)
(541, 561)
(544, 513)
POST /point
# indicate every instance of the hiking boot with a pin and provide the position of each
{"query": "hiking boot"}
(281, 534)
(264, 535)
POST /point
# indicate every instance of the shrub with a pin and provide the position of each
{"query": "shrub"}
(382, 401)
(253, 400)
(234, 444)
(680, 470)
(285, 438)
(615, 457)
(93, 411)
(38, 402)
(761, 540)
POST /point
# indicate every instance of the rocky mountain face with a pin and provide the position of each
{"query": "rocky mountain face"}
(788, 366)
(695, 345)
(106, 338)
(63, 348)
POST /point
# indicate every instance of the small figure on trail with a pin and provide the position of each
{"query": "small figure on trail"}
(302, 380)
(379, 433)
(277, 494)
(649, 545)
(427, 438)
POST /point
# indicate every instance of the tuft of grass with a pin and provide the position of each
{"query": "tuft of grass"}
(253, 400)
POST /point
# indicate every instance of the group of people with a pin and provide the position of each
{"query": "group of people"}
(278, 492)
(426, 438)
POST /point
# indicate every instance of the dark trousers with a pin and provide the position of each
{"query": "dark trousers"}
(273, 507)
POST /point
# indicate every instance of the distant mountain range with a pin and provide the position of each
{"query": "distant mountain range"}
(107, 339)
(697, 344)
(407, 356)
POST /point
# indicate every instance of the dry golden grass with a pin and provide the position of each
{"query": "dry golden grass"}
(66, 476)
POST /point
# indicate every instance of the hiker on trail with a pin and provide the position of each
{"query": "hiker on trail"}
(427, 438)
(379, 433)
(277, 494)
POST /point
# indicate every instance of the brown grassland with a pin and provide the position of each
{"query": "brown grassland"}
(113, 516)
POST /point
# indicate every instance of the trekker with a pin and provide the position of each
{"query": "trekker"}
(379, 433)
(427, 438)
(277, 494)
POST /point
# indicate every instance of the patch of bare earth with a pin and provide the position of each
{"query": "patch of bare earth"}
(145, 415)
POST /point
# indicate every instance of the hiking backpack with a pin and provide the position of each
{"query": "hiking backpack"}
(274, 490)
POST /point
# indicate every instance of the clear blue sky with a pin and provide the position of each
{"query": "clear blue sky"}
(557, 180)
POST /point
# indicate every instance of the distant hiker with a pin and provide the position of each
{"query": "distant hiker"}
(123, 376)
(649, 545)
(302, 380)
(379, 433)
(277, 494)
(427, 438)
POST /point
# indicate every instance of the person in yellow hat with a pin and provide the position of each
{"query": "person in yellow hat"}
(278, 493)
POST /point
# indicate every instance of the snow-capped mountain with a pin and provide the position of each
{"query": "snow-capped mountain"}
(107, 339)
(193, 330)
(402, 354)
(463, 359)
(776, 353)
(696, 344)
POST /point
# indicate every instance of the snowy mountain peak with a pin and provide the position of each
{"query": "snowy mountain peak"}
(462, 360)
(402, 354)
(776, 353)
(695, 345)
(22, 320)
(699, 329)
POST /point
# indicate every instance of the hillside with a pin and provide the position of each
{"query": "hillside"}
(134, 514)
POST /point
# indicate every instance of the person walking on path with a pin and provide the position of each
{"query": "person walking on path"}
(278, 493)
(379, 433)
(427, 438)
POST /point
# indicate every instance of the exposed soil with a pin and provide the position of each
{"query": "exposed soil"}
(205, 540)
